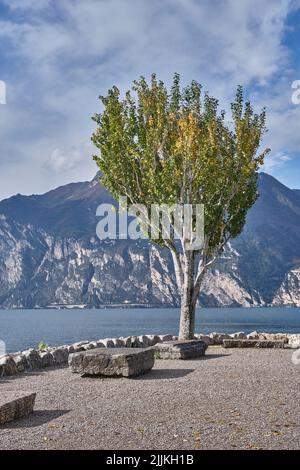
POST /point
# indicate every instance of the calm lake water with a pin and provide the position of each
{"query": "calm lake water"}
(21, 329)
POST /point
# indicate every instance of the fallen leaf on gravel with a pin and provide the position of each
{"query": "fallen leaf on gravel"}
(253, 446)
(276, 433)
(238, 429)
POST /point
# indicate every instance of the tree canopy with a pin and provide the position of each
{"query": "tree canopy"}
(160, 147)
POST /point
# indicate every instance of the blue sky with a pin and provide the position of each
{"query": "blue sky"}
(56, 57)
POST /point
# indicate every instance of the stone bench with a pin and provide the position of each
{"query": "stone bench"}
(190, 349)
(112, 362)
(15, 405)
(252, 343)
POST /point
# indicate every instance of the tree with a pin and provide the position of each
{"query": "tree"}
(169, 147)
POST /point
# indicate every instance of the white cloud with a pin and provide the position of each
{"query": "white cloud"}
(64, 160)
(64, 54)
(275, 161)
(27, 4)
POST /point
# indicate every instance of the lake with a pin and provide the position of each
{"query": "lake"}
(22, 329)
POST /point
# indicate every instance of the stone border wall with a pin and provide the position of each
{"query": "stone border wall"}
(33, 359)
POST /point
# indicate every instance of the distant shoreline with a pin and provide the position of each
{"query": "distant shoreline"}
(146, 306)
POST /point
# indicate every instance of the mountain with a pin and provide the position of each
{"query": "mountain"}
(50, 255)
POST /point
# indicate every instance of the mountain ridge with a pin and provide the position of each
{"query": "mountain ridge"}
(50, 255)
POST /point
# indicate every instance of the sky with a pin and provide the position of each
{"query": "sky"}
(58, 56)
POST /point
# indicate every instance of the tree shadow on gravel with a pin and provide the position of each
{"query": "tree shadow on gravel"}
(209, 356)
(158, 374)
(30, 373)
(35, 419)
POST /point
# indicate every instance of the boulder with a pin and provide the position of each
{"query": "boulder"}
(153, 339)
(253, 335)
(47, 359)
(180, 349)
(33, 358)
(108, 343)
(144, 341)
(275, 336)
(113, 363)
(127, 342)
(8, 366)
(118, 343)
(166, 337)
(219, 337)
(15, 405)
(60, 355)
(134, 342)
(238, 335)
(294, 341)
(207, 339)
(21, 362)
(79, 346)
(91, 345)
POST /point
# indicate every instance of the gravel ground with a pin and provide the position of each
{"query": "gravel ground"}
(231, 399)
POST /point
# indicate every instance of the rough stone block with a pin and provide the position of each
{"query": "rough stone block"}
(252, 343)
(15, 405)
(114, 362)
(180, 349)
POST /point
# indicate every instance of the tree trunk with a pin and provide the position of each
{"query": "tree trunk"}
(187, 314)
(187, 320)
